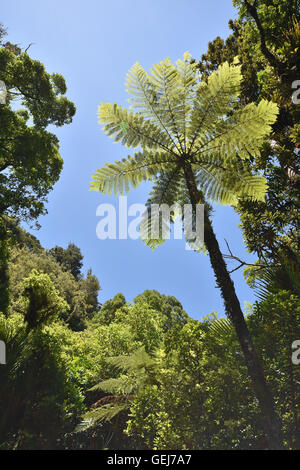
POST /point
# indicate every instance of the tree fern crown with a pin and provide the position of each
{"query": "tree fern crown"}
(176, 119)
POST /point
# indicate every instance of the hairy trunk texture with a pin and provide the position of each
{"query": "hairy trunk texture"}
(271, 421)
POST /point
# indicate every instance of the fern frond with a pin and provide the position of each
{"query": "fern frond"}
(155, 225)
(221, 328)
(122, 387)
(187, 94)
(214, 100)
(132, 130)
(119, 176)
(227, 185)
(84, 425)
(114, 385)
(145, 98)
(195, 242)
(137, 360)
(242, 133)
(167, 80)
(274, 278)
(105, 412)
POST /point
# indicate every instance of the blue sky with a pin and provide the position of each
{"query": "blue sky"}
(93, 44)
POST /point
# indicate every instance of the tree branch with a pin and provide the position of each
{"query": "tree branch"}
(252, 10)
(242, 263)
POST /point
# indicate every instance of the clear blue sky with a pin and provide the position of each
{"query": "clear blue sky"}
(93, 43)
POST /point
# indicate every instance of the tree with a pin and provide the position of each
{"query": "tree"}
(81, 295)
(70, 258)
(91, 287)
(30, 163)
(196, 143)
(166, 305)
(109, 308)
(42, 302)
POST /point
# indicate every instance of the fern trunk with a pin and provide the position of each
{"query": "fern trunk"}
(270, 419)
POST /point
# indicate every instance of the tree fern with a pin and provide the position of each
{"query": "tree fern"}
(199, 129)
(182, 120)
(121, 389)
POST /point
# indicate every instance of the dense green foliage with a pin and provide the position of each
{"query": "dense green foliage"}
(30, 163)
(80, 294)
(153, 361)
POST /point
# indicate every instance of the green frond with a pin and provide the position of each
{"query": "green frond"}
(148, 228)
(132, 130)
(121, 388)
(119, 176)
(214, 100)
(243, 133)
(165, 191)
(145, 98)
(221, 328)
(195, 243)
(165, 97)
(137, 360)
(114, 385)
(104, 413)
(187, 94)
(84, 425)
(274, 278)
(167, 80)
(226, 186)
